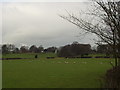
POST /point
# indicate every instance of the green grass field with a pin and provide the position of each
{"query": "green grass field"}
(52, 73)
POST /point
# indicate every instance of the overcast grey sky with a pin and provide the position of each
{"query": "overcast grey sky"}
(44, 0)
(38, 23)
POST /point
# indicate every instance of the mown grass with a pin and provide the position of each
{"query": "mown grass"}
(29, 55)
(53, 73)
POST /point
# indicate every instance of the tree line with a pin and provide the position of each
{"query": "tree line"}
(11, 48)
(70, 50)
(75, 49)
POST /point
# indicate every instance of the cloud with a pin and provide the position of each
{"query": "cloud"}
(0, 23)
(45, 1)
(39, 23)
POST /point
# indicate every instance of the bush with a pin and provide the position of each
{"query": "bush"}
(112, 78)
(74, 50)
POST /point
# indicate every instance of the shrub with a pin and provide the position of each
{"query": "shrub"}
(112, 78)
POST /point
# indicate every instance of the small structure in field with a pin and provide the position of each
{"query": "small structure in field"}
(36, 56)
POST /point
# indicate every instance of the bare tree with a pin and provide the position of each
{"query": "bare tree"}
(105, 23)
